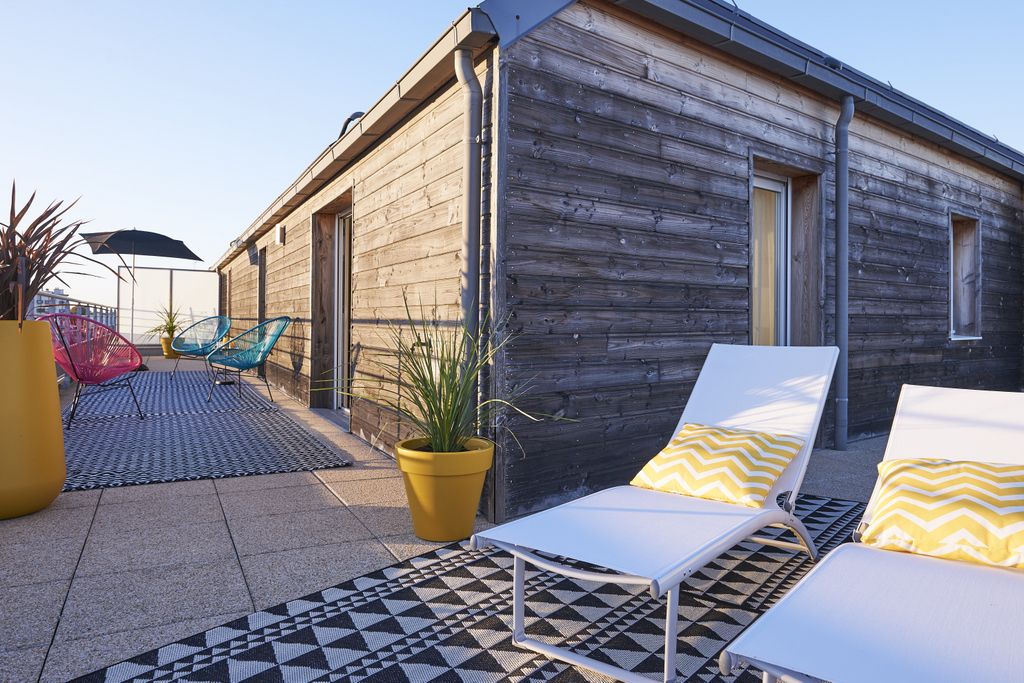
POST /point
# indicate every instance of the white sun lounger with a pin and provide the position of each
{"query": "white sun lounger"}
(657, 539)
(866, 614)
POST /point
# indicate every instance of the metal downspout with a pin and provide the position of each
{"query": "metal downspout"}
(843, 270)
(472, 95)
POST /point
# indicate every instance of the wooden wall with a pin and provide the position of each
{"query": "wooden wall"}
(405, 198)
(625, 182)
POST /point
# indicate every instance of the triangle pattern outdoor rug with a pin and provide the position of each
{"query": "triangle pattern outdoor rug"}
(445, 617)
(183, 437)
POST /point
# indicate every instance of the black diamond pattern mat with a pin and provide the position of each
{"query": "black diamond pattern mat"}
(183, 437)
(446, 617)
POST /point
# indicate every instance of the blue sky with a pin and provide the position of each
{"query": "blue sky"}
(190, 118)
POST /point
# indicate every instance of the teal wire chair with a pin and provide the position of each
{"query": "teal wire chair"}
(200, 339)
(246, 351)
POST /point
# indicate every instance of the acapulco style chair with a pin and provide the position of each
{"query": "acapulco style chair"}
(200, 339)
(94, 355)
(246, 351)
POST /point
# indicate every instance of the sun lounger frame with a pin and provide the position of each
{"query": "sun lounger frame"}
(981, 641)
(772, 389)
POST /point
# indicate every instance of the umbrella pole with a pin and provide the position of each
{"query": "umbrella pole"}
(132, 333)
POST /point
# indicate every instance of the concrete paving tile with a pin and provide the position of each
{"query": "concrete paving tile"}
(384, 520)
(274, 533)
(148, 492)
(387, 491)
(156, 547)
(404, 546)
(76, 499)
(121, 601)
(264, 481)
(279, 577)
(163, 512)
(18, 666)
(22, 564)
(362, 469)
(30, 613)
(69, 659)
(277, 501)
(48, 525)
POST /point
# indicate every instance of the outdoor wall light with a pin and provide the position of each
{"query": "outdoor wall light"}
(279, 234)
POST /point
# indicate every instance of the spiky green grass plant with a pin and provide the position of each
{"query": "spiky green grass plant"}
(428, 377)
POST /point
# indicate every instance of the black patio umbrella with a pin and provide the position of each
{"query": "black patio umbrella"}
(137, 243)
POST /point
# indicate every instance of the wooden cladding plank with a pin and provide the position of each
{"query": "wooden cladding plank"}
(538, 205)
(624, 163)
(444, 241)
(527, 172)
(573, 237)
(580, 293)
(438, 191)
(626, 268)
(543, 118)
(624, 320)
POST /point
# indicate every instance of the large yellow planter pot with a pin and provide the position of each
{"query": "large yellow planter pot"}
(165, 344)
(32, 469)
(444, 488)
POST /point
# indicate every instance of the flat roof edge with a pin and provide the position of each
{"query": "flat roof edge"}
(472, 30)
(732, 30)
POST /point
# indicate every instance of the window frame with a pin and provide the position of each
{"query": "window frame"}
(956, 257)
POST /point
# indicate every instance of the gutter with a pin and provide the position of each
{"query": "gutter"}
(843, 271)
(471, 31)
(471, 182)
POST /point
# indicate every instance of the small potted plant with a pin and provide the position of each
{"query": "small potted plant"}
(166, 330)
(32, 469)
(428, 377)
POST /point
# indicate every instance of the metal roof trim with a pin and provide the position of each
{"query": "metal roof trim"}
(472, 30)
(734, 31)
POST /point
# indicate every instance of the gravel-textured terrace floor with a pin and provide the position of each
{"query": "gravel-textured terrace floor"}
(103, 575)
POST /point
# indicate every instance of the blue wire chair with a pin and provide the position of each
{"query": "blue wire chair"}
(200, 339)
(246, 351)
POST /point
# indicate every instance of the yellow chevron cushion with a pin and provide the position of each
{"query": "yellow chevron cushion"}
(970, 511)
(732, 465)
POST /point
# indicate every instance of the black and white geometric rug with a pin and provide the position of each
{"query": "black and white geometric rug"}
(182, 436)
(445, 617)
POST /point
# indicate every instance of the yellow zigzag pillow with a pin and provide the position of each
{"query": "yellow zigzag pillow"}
(971, 511)
(732, 465)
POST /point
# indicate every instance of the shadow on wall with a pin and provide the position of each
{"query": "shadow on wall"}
(297, 345)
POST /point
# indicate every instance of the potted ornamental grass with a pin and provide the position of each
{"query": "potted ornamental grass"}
(427, 376)
(32, 250)
(170, 324)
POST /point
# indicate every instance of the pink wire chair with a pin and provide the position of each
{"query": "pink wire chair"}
(93, 355)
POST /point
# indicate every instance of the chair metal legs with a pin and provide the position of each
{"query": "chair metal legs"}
(520, 638)
(80, 393)
(223, 371)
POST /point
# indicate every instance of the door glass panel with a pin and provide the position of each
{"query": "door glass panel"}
(769, 278)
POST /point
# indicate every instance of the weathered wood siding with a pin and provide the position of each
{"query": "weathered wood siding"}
(626, 185)
(405, 198)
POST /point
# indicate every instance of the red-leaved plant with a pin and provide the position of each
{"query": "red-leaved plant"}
(31, 255)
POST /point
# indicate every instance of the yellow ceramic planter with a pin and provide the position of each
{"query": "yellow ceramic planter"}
(165, 344)
(32, 469)
(444, 488)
